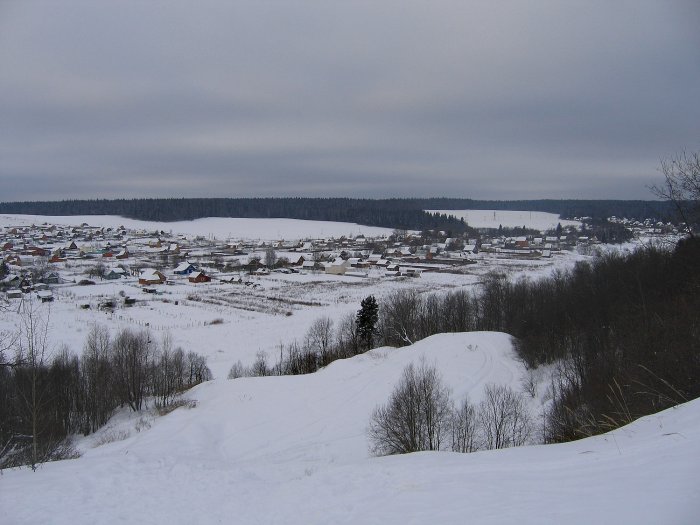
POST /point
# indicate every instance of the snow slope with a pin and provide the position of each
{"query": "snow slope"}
(294, 450)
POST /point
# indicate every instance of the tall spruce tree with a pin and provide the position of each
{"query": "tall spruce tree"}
(367, 317)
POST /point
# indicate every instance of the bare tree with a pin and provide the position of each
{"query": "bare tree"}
(270, 257)
(399, 317)
(31, 348)
(319, 338)
(8, 340)
(40, 269)
(166, 376)
(99, 270)
(130, 356)
(465, 427)
(504, 418)
(681, 186)
(97, 378)
(416, 417)
(347, 337)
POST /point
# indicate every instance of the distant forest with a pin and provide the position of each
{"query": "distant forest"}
(390, 213)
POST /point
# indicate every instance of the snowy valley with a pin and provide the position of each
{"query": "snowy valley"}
(295, 449)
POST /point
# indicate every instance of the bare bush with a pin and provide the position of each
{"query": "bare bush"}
(111, 436)
(237, 370)
(504, 418)
(260, 367)
(417, 416)
(180, 402)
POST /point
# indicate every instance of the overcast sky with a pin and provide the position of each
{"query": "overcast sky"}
(493, 100)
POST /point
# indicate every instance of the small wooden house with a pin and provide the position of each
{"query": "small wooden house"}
(151, 276)
(114, 273)
(45, 296)
(185, 268)
(199, 277)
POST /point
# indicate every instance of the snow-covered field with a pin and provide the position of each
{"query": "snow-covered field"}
(537, 220)
(294, 450)
(279, 309)
(213, 227)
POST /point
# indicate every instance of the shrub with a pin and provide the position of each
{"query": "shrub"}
(417, 416)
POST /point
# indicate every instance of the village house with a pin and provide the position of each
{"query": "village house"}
(114, 273)
(45, 296)
(199, 277)
(411, 272)
(14, 294)
(34, 251)
(11, 280)
(57, 256)
(392, 270)
(185, 268)
(310, 265)
(337, 267)
(52, 278)
(151, 276)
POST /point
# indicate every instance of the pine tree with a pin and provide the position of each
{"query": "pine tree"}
(366, 321)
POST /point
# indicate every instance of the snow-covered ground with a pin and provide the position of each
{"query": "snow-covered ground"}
(537, 220)
(213, 227)
(294, 450)
(279, 309)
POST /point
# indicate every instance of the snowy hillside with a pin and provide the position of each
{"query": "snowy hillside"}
(294, 450)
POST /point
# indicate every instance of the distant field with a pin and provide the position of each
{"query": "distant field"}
(218, 227)
(537, 220)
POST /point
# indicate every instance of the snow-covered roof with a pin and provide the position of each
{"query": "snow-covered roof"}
(183, 266)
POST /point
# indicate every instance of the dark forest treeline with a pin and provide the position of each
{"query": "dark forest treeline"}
(44, 400)
(390, 213)
(566, 208)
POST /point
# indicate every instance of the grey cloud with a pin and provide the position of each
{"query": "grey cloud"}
(485, 100)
